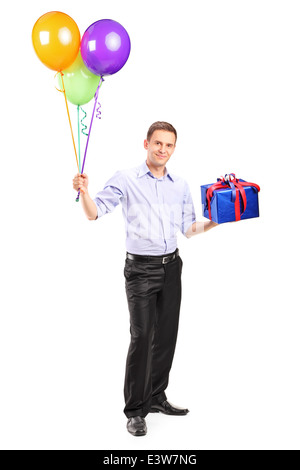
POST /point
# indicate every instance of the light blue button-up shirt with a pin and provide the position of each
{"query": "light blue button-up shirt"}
(154, 209)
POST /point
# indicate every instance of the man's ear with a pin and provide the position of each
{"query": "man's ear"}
(146, 144)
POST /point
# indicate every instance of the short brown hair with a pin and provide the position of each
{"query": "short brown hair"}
(161, 126)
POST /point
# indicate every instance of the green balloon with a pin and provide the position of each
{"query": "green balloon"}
(80, 83)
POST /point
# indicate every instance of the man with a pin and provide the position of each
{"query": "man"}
(156, 204)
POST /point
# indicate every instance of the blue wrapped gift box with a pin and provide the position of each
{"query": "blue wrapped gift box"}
(222, 203)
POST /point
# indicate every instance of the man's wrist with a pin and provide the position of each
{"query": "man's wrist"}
(84, 193)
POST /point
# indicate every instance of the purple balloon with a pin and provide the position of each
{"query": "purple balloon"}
(105, 47)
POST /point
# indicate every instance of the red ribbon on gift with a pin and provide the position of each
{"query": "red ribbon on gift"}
(237, 188)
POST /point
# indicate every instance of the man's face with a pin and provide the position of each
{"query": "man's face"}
(160, 148)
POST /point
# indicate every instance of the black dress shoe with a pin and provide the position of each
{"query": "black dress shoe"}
(168, 409)
(137, 426)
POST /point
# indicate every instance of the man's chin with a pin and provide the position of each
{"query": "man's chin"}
(161, 161)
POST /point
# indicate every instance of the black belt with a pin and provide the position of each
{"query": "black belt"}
(154, 259)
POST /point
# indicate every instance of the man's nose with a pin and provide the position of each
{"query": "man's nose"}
(163, 149)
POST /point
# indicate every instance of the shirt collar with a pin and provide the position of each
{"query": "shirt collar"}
(144, 170)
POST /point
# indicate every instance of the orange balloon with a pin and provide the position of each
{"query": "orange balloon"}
(56, 40)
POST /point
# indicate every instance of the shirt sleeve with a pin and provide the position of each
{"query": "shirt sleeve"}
(111, 195)
(188, 210)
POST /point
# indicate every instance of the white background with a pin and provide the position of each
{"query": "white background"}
(226, 74)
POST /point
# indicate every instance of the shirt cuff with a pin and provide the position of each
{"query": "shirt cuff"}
(99, 211)
(195, 220)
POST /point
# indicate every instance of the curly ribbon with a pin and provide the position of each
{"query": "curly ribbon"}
(64, 92)
(84, 126)
(91, 123)
(98, 111)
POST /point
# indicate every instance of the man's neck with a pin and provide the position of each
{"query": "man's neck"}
(158, 172)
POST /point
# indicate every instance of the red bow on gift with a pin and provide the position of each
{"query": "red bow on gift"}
(237, 187)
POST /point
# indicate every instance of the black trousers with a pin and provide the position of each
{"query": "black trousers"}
(154, 296)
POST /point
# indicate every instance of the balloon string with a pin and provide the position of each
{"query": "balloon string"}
(92, 118)
(84, 127)
(64, 92)
(91, 123)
